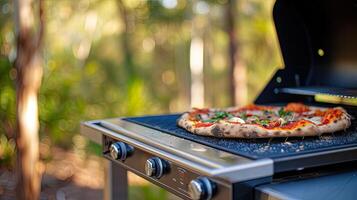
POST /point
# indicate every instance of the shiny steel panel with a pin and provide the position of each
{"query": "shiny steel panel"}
(197, 157)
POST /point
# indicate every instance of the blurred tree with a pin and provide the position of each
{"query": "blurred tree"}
(29, 74)
(237, 69)
(197, 60)
(128, 64)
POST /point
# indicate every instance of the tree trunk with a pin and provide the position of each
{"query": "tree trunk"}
(128, 55)
(237, 70)
(29, 74)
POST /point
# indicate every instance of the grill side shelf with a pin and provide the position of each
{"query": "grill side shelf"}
(311, 160)
(312, 91)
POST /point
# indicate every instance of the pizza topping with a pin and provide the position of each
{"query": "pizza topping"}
(282, 121)
(210, 120)
(315, 120)
(331, 115)
(290, 125)
(202, 116)
(237, 120)
(295, 124)
(199, 114)
(255, 107)
(243, 115)
(284, 113)
(251, 119)
(218, 115)
(295, 119)
(268, 112)
(199, 111)
(215, 116)
(254, 112)
(222, 115)
(296, 107)
(263, 122)
(273, 124)
(203, 124)
(319, 113)
(292, 116)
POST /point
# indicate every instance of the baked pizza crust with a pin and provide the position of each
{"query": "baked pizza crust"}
(238, 130)
(342, 124)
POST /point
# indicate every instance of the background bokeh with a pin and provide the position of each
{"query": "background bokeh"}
(108, 58)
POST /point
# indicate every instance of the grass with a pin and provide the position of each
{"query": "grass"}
(147, 192)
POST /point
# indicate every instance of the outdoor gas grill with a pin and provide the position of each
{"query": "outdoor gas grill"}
(318, 41)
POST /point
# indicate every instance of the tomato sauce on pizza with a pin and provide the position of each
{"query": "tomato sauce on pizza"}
(254, 121)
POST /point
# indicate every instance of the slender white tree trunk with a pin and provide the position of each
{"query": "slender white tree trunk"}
(29, 75)
(196, 68)
(197, 97)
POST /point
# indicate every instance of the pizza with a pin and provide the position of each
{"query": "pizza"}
(257, 121)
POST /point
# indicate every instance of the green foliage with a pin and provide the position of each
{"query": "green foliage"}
(147, 192)
(7, 87)
(7, 151)
(104, 59)
(258, 42)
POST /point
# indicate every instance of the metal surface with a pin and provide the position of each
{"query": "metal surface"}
(155, 167)
(318, 46)
(195, 189)
(116, 182)
(206, 160)
(186, 160)
(115, 151)
(201, 189)
(150, 167)
(208, 189)
(339, 186)
(318, 37)
(316, 159)
(90, 133)
(175, 180)
(160, 167)
(339, 92)
(269, 194)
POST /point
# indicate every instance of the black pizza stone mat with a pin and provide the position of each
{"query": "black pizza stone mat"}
(254, 148)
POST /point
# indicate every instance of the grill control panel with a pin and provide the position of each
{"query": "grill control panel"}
(120, 150)
(156, 167)
(201, 188)
(164, 172)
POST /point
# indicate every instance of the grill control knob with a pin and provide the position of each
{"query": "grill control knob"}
(120, 150)
(201, 189)
(155, 167)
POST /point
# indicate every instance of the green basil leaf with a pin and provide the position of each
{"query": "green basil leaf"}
(210, 120)
(283, 113)
(264, 122)
(244, 116)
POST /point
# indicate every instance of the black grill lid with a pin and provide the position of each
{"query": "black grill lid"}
(318, 41)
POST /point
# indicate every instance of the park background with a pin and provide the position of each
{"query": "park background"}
(110, 58)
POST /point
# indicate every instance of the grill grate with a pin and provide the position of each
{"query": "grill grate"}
(255, 148)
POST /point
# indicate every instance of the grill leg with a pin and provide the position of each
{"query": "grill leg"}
(116, 182)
